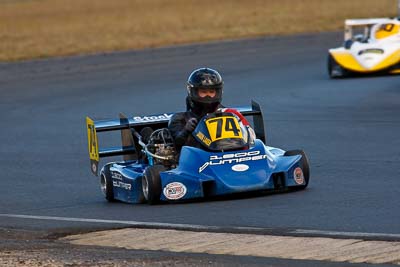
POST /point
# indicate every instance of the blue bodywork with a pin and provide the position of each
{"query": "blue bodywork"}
(265, 167)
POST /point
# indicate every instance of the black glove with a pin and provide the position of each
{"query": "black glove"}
(191, 125)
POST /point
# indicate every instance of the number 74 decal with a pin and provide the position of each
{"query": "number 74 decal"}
(223, 127)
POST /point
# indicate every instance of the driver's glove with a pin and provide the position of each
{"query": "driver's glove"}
(191, 125)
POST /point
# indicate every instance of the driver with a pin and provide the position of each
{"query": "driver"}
(204, 87)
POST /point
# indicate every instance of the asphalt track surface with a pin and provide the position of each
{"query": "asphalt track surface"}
(349, 128)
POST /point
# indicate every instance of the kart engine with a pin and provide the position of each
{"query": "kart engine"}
(161, 146)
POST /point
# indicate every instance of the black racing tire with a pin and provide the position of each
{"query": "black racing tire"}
(304, 164)
(335, 70)
(106, 184)
(151, 183)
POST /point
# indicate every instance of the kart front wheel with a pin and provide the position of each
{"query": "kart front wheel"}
(304, 165)
(151, 183)
(335, 70)
(106, 184)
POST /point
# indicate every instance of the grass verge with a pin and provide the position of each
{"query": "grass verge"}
(45, 28)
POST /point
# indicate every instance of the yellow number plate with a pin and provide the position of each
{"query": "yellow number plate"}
(92, 140)
(223, 127)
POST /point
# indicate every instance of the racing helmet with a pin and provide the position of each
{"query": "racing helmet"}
(204, 80)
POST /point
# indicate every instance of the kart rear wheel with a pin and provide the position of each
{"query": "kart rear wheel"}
(106, 184)
(151, 183)
(335, 70)
(304, 165)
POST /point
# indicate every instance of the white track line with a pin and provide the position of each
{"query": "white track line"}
(133, 223)
(204, 227)
(340, 233)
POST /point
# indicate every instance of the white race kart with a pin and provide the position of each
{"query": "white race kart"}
(370, 46)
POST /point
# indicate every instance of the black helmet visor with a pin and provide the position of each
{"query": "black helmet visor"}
(206, 94)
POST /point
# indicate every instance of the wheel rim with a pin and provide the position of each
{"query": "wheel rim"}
(145, 187)
(103, 184)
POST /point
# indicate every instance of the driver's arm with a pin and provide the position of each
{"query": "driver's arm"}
(178, 130)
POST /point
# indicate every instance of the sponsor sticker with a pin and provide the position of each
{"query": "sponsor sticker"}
(175, 190)
(164, 116)
(240, 167)
(203, 138)
(298, 175)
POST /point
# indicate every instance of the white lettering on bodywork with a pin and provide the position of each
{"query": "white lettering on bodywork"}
(164, 116)
(122, 185)
(116, 175)
(233, 158)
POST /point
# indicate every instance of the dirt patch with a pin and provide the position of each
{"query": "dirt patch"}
(30, 248)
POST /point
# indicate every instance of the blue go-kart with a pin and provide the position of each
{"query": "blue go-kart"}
(231, 158)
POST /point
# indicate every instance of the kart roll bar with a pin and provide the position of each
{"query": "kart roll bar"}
(131, 140)
(258, 119)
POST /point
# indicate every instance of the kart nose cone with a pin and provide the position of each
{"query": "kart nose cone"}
(369, 61)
